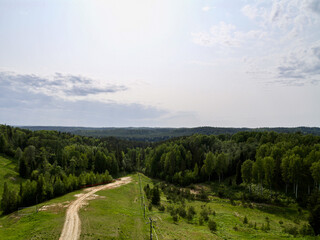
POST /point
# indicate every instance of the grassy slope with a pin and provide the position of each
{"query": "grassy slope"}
(8, 174)
(119, 216)
(31, 225)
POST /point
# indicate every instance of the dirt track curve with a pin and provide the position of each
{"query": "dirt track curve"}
(72, 224)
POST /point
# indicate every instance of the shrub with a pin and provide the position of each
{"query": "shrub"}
(212, 225)
(162, 208)
(191, 213)
(182, 211)
(245, 220)
(205, 214)
(201, 221)
(175, 217)
(306, 230)
(293, 230)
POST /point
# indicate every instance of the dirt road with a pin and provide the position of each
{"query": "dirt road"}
(72, 224)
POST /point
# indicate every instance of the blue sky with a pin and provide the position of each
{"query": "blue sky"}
(168, 63)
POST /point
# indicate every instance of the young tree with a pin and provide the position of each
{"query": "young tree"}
(295, 167)
(195, 172)
(268, 164)
(315, 172)
(18, 154)
(23, 169)
(3, 143)
(220, 164)
(209, 163)
(155, 199)
(100, 162)
(246, 171)
(314, 219)
(258, 172)
(285, 170)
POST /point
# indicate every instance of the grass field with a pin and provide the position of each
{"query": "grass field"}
(229, 219)
(29, 224)
(117, 214)
(8, 174)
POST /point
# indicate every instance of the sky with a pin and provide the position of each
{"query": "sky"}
(160, 63)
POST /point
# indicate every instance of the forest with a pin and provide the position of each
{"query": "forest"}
(265, 164)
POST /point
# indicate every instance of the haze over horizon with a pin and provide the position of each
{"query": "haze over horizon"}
(160, 63)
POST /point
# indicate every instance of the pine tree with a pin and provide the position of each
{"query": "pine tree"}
(5, 197)
(238, 173)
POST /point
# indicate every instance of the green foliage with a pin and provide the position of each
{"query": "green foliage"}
(245, 220)
(212, 225)
(191, 213)
(314, 219)
(204, 213)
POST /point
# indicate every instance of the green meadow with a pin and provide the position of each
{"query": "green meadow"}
(118, 214)
(8, 173)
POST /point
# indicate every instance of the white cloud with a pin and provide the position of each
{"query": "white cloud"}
(291, 57)
(226, 35)
(206, 8)
(250, 11)
(69, 87)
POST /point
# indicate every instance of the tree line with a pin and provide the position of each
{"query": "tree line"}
(54, 163)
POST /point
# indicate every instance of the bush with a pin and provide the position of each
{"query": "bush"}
(175, 217)
(293, 230)
(201, 220)
(205, 214)
(306, 230)
(162, 208)
(182, 211)
(191, 213)
(212, 225)
(245, 220)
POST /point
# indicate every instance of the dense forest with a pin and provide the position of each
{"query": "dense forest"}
(161, 134)
(55, 163)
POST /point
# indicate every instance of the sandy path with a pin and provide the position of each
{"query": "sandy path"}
(72, 224)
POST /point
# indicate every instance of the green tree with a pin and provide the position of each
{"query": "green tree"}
(9, 200)
(285, 170)
(209, 163)
(18, 154)
(268, 164)
(155, 199)
(314, 219)
(315, 172)
(258, 172)
(220, 164)
(246, 171)
(3, 143)
(100, 162)
(23, 169)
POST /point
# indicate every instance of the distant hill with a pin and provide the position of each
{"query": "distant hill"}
(160, 134)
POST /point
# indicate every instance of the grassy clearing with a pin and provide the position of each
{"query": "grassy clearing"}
(116, 214)
(27, 224)
(229, 218)
(9, 174)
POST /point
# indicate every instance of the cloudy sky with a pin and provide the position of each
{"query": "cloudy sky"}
(166, 63)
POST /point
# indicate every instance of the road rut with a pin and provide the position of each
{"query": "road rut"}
(72, 225)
